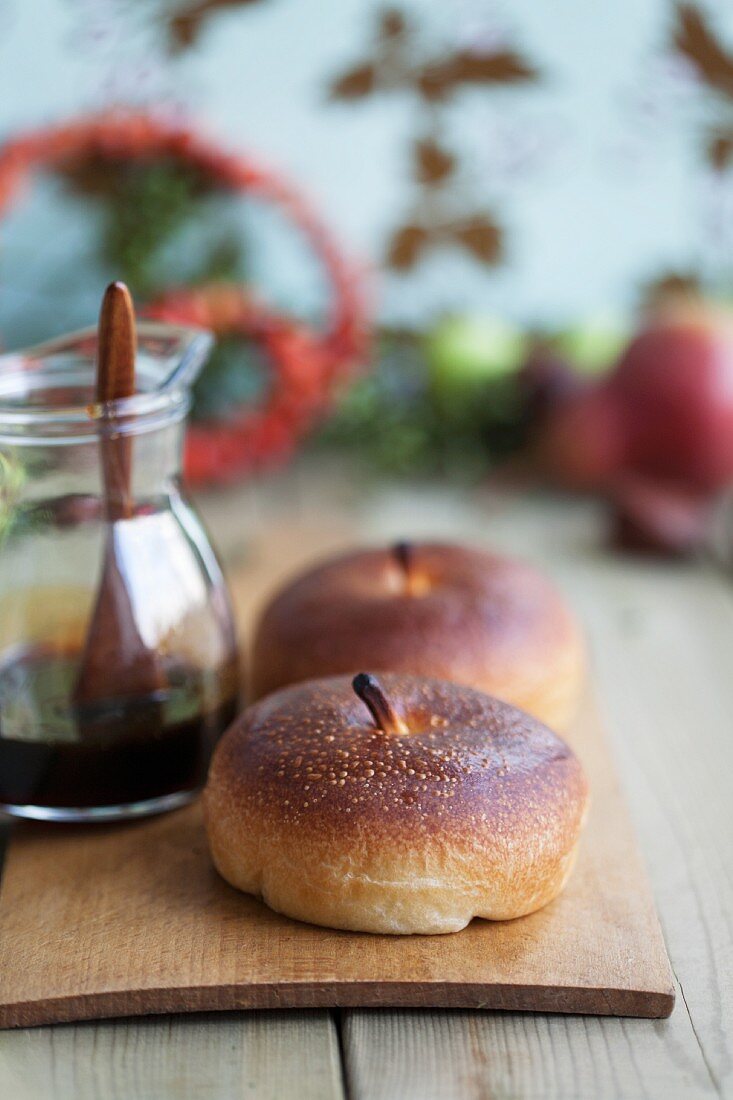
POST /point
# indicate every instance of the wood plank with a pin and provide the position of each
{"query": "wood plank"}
(528, 1055)
(661, 640)
(130, 919)
(673, 735)
(267, 1055)
(472, 1056)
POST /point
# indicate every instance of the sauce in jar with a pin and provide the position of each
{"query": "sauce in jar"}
(112, 753)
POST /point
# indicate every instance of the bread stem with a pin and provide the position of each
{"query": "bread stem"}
(404, 555)
(371, 693)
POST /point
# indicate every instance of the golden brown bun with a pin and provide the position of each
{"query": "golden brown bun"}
(474, 811)
(479, 619)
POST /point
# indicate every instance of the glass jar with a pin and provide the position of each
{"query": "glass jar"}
(127, 750)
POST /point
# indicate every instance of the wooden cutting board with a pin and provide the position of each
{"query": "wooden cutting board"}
(130, 919)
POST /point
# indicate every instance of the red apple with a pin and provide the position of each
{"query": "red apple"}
(665, 412)
(675, 386)
(582, 443)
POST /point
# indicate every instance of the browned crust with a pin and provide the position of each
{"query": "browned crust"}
(476, 811)
(476, 618)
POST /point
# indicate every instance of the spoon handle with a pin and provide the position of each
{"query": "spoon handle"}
(116, 353)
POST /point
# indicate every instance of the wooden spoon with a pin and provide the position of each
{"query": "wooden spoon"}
(115, 660)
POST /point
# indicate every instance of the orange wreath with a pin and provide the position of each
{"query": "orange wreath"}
(302, 373)
(305, 363)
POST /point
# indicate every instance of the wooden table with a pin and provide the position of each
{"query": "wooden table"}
(662, 644)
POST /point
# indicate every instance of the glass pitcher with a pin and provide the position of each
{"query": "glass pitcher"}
(124, 752)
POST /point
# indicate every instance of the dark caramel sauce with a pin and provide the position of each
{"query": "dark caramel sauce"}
(111, 752)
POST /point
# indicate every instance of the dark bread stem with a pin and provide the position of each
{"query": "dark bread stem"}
(371, 693)
(404, 554)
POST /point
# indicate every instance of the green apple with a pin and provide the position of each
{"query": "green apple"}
(464, 351)
(595, 345)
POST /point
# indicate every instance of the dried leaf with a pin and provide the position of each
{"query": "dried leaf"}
(392, 24)
(433, 164)
(720, 151)
(670, 287)
(480, 236)
(406, 247)
(438, 79)
(184, 28)
(356, 83)
(695, 39)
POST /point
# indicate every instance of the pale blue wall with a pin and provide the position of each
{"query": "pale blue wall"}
(610, 196)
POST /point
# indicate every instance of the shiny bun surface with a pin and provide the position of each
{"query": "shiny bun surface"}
(436, 610)
(466, 807)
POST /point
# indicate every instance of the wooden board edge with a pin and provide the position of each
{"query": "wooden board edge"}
(578, 1000)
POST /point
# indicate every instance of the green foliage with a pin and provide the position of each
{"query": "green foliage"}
(394, 419)
(145, 207)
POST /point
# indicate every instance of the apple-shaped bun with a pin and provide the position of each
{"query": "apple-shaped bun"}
(493, 623)
(402, 805)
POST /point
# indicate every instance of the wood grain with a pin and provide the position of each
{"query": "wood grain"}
(645, 621)
(471, 1056)
(660, 637)
(124, 920)
(117, 344)
(116, 357)
(115, 660)
(267, 1055)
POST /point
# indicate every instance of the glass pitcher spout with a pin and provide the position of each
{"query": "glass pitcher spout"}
(169, 356)
(49, 390)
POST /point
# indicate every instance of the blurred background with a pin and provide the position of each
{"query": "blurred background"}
(424, 234)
